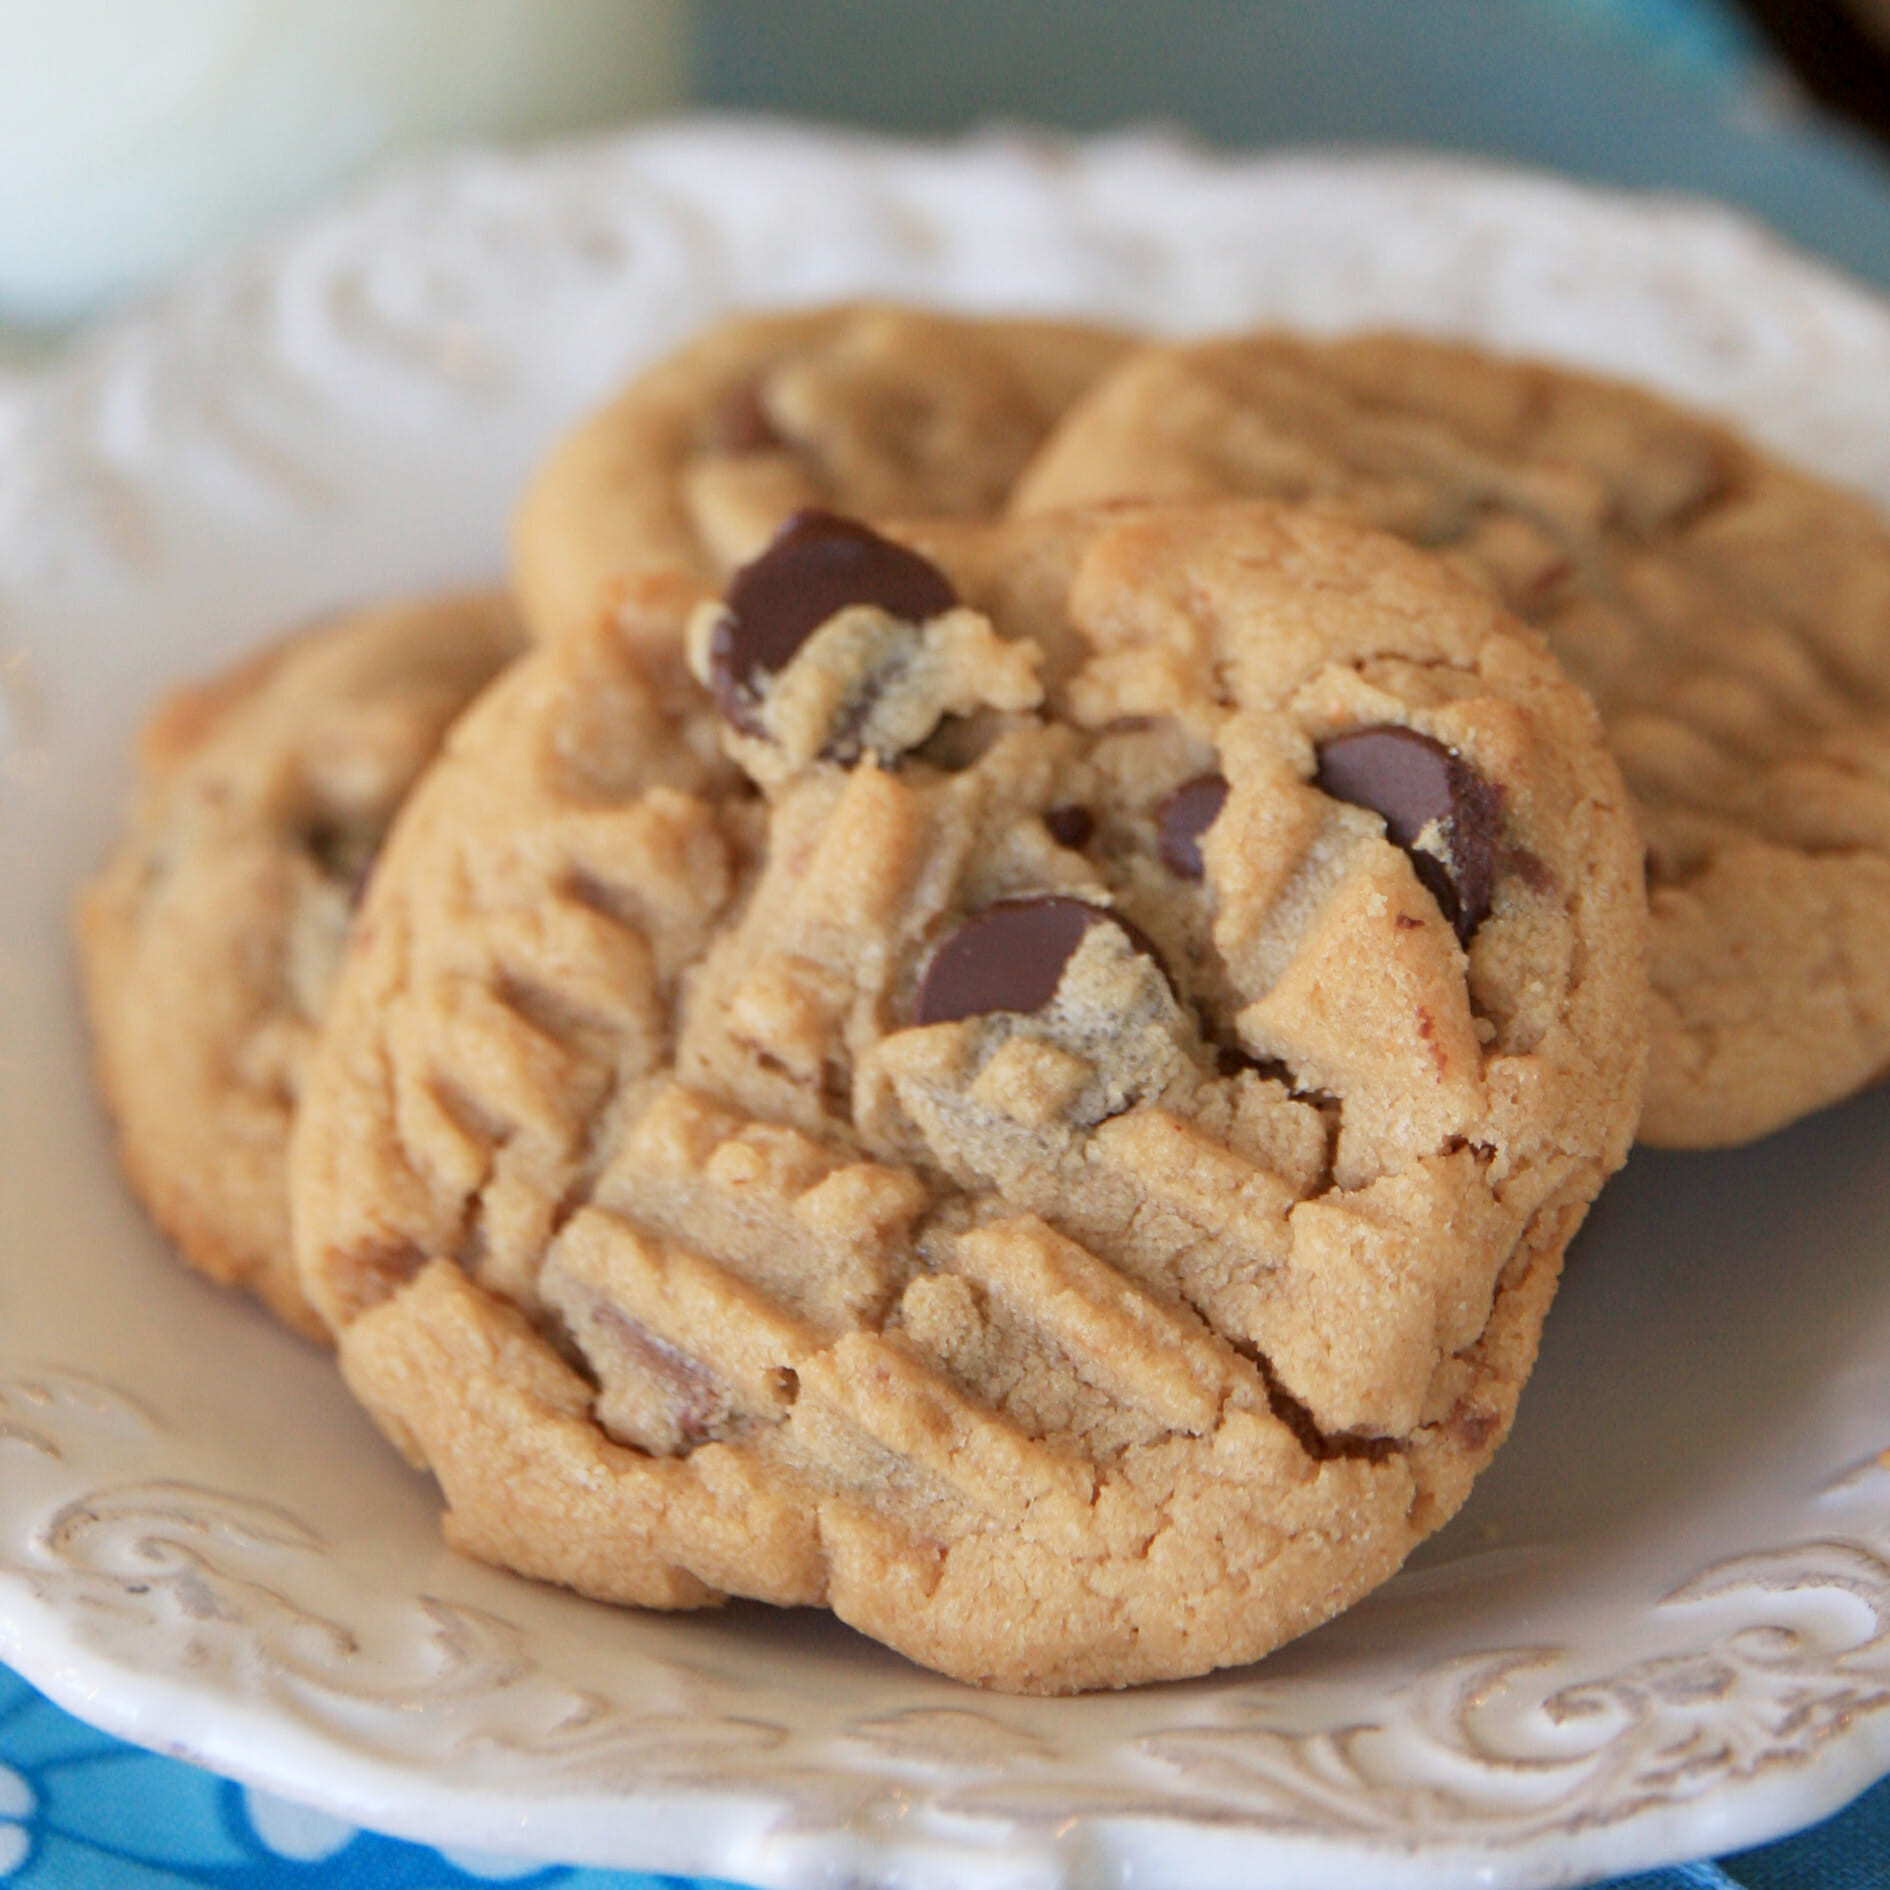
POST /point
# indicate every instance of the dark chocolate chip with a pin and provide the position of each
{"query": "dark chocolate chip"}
(1470, 1426)
(344, 856)
(1231, 1059)
(1070, 826)
(815, 566)
(1412, 781)
(1531, 868)
(1010, 957)
(740, 423)
(695, 1404)
(843, 743)
(1183, 818)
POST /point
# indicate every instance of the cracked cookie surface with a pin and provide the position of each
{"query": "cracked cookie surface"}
(874, 409)
(210, 940)
(1730, 616)
(1045, 1177)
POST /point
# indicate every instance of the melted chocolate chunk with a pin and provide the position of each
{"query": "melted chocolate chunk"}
(740, 423)
(1183, 818)
(1230, 1059)
(344, 855)
(694, 1406)
(1412, 781)
(1531, 868)
(814, 567)
(1070, 826)
(1010, 957)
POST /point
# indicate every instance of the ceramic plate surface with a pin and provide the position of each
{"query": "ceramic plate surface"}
(1661, 1628)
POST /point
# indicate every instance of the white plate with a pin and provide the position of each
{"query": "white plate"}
(1662, 1626)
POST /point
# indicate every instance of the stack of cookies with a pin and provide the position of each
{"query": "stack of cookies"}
(991, 997)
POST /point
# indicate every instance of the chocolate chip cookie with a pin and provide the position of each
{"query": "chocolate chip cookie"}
(1730, 616)
(878, 410)
(1037, 1102)
(210, 940)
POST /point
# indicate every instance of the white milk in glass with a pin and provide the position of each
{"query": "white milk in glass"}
(135, 134)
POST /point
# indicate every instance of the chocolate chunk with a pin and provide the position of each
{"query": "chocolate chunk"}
(1531, 868)
(740, 423)
(1070, 826)
(1470, 1425)
(1412, 781)
(844, 743)
(1230, 1059)
(344, 855)
(815, 566)
(1010, 957)
(693, 1407)
(1183, 818)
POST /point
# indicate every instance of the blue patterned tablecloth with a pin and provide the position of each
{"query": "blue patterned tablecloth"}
(80, 1810)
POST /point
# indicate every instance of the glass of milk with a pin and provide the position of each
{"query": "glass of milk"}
(135, 134)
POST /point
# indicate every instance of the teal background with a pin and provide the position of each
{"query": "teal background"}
(1666, 94)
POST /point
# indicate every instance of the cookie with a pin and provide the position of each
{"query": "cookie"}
(1070, 1173)
(873, 409)
(209, 941)
(1730, 616)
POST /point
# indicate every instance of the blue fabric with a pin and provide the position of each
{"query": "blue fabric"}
(1680, 1877)
(1692, 37)
(1848, 1852)
(81, 1811)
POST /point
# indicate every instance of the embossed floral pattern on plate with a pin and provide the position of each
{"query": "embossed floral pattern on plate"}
(1661, 1626)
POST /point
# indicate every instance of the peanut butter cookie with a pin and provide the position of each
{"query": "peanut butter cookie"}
(1060, 1156)
(1730, 616)
(210, 940)
(876, 410)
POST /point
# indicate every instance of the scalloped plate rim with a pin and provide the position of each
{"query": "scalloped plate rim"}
(43, 1637)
